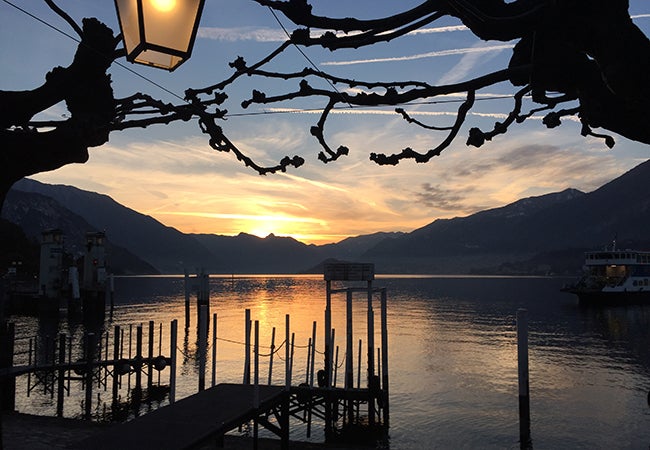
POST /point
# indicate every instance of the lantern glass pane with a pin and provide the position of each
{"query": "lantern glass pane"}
(169, 23)
(158, 59)
(128, 15)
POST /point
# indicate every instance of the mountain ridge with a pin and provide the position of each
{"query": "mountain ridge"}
(538, 231)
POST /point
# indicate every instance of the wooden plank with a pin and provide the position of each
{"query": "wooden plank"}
(189, 421)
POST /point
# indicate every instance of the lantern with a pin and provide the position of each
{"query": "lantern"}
(159, 33)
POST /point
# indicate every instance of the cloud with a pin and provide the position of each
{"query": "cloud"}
(470, 60)
(441, 198)
(456, 51)
(242, 34)
(276, 35)
(438, 30)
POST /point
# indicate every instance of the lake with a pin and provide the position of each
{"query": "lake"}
(452, 354)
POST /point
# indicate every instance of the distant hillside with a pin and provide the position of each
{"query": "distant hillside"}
(35, 213)
(246, 253)
(544, 234)
(164, 247)
(521, 231)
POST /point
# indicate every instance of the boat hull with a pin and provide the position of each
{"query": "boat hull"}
(599, 297)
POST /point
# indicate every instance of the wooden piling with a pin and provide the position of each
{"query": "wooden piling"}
(116, 357)
(371, 356)
(214, 349)
(61, 376)
(172, 369)
(384, 355)
(287, 354)
(328, 332)
(293, 338)
(247, 347)
(138, 364)
(202, 338)
(150, 355)
(271, 356)
(349, 376)
(313, 354)
(256, 388)
(88, 374)
(522, 360)
(308, 362)
(187, 299)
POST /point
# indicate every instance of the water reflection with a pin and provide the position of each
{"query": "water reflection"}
(452, 353)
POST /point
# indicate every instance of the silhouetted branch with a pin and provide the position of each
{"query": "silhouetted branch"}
(580, 59)
(65, 17)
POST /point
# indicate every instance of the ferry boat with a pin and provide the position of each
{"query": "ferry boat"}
(614, 277)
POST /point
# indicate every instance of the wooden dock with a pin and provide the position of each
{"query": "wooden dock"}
(191, 421)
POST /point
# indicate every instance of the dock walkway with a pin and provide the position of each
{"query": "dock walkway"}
(189, 422)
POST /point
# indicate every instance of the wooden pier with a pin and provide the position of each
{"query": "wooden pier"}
(352, 413)
(195, 420)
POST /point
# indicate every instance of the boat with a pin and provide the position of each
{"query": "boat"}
(613, 277)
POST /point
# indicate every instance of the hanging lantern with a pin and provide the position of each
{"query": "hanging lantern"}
(159, 33)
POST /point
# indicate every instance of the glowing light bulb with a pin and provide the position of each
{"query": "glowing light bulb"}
(163, 5)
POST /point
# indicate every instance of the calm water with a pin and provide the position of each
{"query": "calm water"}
(453, 355)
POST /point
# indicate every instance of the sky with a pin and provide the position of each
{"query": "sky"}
(171, 173)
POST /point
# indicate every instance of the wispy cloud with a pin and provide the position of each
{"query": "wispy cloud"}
(254, 217)
(454, 51)
(468, 62)
(439, 30)
(242, 34)
(277, 35)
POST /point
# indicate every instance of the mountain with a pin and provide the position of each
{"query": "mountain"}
(164, 247)
(540, 234)
(548, 224)
(35, 213)
(37, 206)
(246, 253)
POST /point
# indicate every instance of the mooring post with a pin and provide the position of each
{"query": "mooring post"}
(214, 349)
(203, 337)
(247, 347)
(172, 369)
(371, 357)
(384, 355)
(313, 354)
(524, 398)
(256, 367)
(287, 350)
(336, 366)
(61, 376)
(349, 376)
(271, 356)
(371, 336)
(293, 338)
(328, 332)
(137, 394)
(187, 298)
(88, 375)
(256, 388)
(150, 358)
(308, 362)
(116, 358)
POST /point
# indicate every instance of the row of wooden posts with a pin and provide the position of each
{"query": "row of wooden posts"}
(53, 364)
